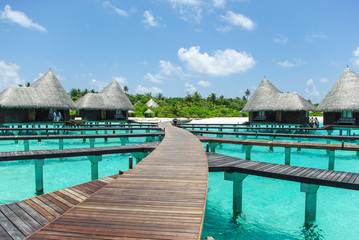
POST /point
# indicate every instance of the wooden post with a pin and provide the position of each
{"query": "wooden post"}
(39, 176)
(329, 132)
(271, 147)
(94, 165)
(124, 140)
(248, 149)
(130, 162)
(310, 201)
(92, 142)
(328, 142)
(331, 160)
(26, 145)
(357, 141)
(299, 149)
(287, 155)
(139, 156)
(212, 146)
(237, 179)
(207, 147)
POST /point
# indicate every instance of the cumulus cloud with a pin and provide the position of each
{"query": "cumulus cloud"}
(190, 88)
(281, 39)
(119, 11)
(121, 80)
(167, 70)
(219, 3)
(221, 63)
(204, 83)
(311, 89)
(9, 75)
(188, 10)
(149, 20)
(20, 18)
(295, 62)
(97, 85)
(238, 20)
(155, 79)
(142, 90)
(323, 80)
(356, 57)
(313, 35)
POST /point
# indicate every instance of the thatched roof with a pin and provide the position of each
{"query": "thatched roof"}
(152, 103)
(111, 97)
(268, 98)
(344, 95)
(46, 92)
(148, 111)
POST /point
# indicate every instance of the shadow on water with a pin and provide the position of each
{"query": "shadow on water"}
(311, 232)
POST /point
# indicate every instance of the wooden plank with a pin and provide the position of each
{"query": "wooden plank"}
(9, 228)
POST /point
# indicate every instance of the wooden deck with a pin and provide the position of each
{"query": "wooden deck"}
(20, 219)
(76, 152)
(348, 180)
(254, 128)
(162, 197)
(81, 136)
(345, 147)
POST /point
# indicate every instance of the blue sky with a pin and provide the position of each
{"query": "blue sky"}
(180, 46)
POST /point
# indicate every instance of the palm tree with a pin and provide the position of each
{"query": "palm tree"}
(213, 98)
(247, 93)
(125, 89)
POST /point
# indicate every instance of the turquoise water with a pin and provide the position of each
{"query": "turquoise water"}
(274, 209)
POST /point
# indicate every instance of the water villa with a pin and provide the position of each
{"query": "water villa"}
(37, 102)
(341, 104)
(270, 105)
(152, 103)
(110, 104)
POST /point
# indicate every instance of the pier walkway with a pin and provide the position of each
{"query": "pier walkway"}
(162, 197)
(20, 219)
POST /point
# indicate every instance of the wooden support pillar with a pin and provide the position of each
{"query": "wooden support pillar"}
(94, 165)
(287, 155)
(248, 149)
(212, 146)
(310, 201)
(124, 140)
(329, 132)
(271, 147)
(149, 139)
(328, 142)
(237, 179)
(139, 156)
(92, 142)
(331, 160)
(357, 141)
(26, 145)
(299, 149)
(130, 162)
(39, 176)
(340, 132)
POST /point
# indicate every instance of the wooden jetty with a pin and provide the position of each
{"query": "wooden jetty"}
(236, 170)
(162, 197)
(20, 219)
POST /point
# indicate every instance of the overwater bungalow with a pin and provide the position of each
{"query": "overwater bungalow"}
(269, 105)
(38, 102)
(110, 104)
(341, 104)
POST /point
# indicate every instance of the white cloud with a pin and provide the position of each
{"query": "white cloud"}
(121, 80)
(167, 70)
(312, 36)
(154, 79)
(295, 62)
(9, 75)
(97, 85)
(154, 90)
(323, 80)
(20, 18)
(311, 89)
(222, 63)
(119, 11)
(149, 20)
(190, 88)
(204, 83)
(219, 3)
(281, 39)
(188, 10)
(356, 57)
(238, 20)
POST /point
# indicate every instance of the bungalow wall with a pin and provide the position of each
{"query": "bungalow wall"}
(331, 118)
(14, 115)
(90, 115)
(270, 116)
(298, 117)
(43, 115)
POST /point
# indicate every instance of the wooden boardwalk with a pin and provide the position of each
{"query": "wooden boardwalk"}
(76, 152)
(162, 197)
(222, 163)
(20, 219)
(344, 147)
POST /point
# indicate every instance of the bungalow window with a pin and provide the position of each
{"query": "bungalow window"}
(261, 113)
(347, 114)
